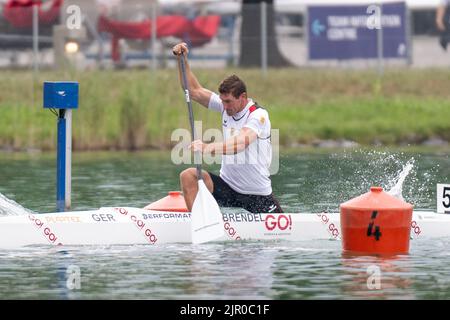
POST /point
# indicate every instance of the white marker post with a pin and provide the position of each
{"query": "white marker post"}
(443, 198)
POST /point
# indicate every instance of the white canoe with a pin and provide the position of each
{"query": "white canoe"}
(138, 226)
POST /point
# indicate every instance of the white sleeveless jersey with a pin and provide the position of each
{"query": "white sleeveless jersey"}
(246, 172)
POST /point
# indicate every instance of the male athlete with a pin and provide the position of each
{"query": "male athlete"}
(244, 179)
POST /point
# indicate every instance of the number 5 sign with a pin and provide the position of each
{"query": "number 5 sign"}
(443, 198)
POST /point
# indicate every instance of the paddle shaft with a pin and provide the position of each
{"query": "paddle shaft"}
(191, 114)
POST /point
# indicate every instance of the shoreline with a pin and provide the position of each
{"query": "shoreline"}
(322, 146)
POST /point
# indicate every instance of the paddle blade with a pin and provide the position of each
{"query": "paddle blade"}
(206, 218)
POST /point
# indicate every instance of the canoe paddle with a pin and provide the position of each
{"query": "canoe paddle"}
(206, 218)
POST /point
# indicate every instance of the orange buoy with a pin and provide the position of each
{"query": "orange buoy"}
(174, 202)
(376, 223)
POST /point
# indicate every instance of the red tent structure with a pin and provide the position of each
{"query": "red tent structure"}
(19, 13)
(197, 31)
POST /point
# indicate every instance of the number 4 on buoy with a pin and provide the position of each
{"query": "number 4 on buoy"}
(443, 198)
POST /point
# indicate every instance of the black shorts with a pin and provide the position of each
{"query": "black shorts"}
(227, 197)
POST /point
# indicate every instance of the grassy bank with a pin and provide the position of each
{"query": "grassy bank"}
(135, 109)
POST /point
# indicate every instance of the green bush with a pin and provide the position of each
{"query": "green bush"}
(137, 109)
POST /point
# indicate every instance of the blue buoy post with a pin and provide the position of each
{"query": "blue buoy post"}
(64, 97)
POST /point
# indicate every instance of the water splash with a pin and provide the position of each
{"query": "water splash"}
(397, 189)
(346, 175)
(9, 207)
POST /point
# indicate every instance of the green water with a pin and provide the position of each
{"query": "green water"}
(306, 182)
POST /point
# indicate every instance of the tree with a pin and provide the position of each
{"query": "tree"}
(250, 39)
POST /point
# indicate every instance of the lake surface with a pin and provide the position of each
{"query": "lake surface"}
(306, 182)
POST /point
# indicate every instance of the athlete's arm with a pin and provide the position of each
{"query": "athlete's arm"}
(232, 145)
(196, 91)
(440, 13)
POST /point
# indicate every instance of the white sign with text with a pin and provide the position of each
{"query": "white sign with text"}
(443, 198)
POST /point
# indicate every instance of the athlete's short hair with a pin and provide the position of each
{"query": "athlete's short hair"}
(234, 85)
